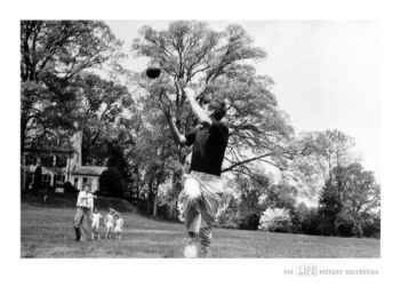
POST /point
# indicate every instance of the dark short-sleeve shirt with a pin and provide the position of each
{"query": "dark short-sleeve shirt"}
(209, 144)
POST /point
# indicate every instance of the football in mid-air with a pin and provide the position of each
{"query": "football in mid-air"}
(153, 72)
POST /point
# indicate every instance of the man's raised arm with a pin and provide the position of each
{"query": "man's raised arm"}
(178, 137)
(198, 111)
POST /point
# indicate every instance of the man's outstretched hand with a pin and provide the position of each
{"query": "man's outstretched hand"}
(188, 92)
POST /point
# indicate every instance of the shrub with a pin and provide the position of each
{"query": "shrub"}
(372, 227)
(275, 220)
(249, 222)
(228, 218)
(120, 205)
(310, 222)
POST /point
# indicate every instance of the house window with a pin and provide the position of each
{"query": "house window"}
(88, 182)
(61, 161)
(59, 179)
(29, 180)
(46, 180)
(76, 183)
(47, 160)
(30, 160)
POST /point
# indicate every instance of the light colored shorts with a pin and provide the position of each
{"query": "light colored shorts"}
(202, 194)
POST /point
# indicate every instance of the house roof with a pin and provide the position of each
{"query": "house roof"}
(49, 150)
(89, 170)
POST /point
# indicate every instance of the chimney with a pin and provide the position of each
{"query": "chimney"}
(76, 142)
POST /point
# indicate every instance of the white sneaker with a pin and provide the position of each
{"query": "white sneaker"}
(191, 250)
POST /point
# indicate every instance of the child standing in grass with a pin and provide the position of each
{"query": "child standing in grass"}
(109, 222)
(96, 218)
(119, 223)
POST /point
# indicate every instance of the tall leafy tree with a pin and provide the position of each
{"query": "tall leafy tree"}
(63, 48)
(251, 202)
(53, 53)
(152, 155)
(330, 205)
(331, 146)
(352, 204)
(361, 201)
(216, 64)
(105, 112)
(315, 155)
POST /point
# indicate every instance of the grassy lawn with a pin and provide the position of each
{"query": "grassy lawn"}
(47, 232)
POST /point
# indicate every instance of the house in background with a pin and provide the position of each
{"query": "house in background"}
(87, 175)
(53, 163)
(58, 166)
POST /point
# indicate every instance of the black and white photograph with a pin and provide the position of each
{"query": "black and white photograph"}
(199, 139)
(199, 146)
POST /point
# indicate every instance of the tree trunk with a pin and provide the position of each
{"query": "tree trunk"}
(155, 206)
(149, 198)
(177, 188)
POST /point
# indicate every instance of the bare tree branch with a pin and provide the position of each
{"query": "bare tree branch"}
(248, 160)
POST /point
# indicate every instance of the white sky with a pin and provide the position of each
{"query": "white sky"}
(326, 74)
